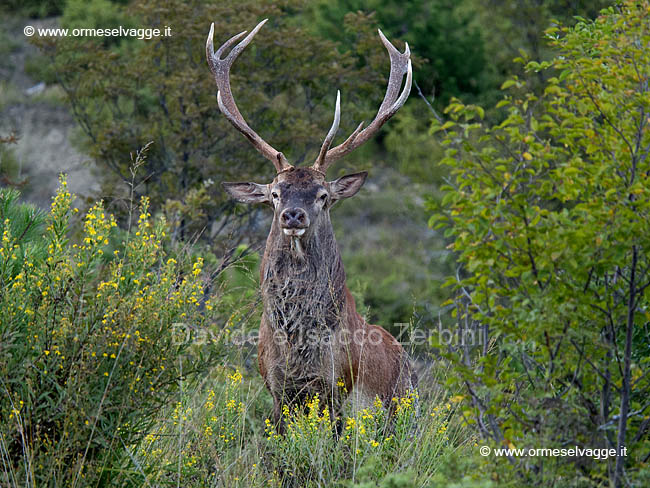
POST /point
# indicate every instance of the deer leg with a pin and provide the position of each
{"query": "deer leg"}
(277, 415)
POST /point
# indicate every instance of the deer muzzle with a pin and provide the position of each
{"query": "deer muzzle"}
(294, 221)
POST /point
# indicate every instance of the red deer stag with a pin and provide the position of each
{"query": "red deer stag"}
(311, 337)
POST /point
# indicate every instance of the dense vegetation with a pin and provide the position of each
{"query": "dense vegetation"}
(549, 213)
(127, 325)
(122, 365)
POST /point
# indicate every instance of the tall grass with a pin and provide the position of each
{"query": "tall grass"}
(217, 435)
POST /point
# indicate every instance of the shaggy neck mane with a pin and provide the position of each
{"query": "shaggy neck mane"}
(303, 289)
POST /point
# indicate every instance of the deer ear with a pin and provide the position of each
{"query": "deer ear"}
(247, 192)
(347, 186)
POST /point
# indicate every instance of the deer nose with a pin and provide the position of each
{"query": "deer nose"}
(294, 218)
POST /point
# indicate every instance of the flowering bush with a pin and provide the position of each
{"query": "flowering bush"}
(88, 355)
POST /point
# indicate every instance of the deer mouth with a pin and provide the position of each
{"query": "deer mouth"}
(293, 232)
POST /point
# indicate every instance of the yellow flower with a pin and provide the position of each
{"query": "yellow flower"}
(235, 378)
(196, 269)
(377, 403)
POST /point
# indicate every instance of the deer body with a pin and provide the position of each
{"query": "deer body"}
(311, 337)
(312, 340)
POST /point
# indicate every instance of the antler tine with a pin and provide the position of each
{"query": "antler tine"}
(221, 70)
(400, 64)
(330, 135)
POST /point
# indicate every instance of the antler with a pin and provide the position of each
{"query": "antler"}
(221, 70)
(393, 100)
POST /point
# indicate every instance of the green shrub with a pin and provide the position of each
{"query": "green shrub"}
(88, 356)
(38, 68)
(36, 8)
(96, 14)
(24, 221)
(549, 215)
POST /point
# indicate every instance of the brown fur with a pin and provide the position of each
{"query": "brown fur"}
(309, 312)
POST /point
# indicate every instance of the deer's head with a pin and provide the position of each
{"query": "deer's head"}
(301, 197)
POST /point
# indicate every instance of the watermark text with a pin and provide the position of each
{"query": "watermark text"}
(121, 31)
(575, 451)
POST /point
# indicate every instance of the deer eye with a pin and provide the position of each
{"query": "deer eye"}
(274, 195)
(323, 197)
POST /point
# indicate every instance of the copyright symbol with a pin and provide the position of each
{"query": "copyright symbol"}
(485, 450)
(28, 31)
